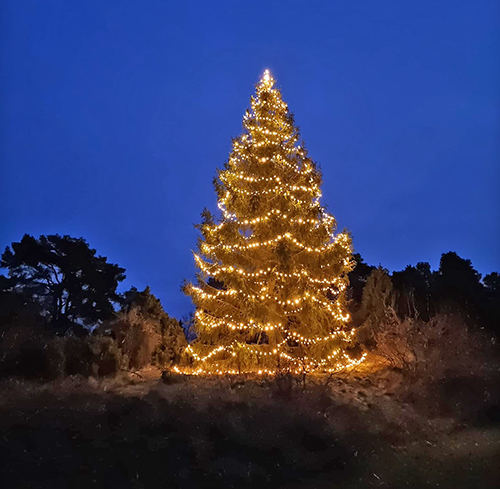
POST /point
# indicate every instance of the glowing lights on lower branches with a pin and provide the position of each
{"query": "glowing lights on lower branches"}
(298, 369)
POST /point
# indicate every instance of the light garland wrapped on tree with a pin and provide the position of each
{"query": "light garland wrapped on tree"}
(272, 273)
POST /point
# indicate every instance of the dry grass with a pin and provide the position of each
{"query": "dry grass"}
(357, 430)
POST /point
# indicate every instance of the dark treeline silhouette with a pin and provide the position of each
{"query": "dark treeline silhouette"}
(61, 314)
(421, 293)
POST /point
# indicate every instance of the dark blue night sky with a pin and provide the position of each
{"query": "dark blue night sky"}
(115, 115)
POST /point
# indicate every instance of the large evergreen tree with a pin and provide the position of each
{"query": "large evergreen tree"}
(270, 292)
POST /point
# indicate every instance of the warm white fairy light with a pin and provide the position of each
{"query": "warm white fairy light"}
(279, 272)
(206, 248)
(215, 270)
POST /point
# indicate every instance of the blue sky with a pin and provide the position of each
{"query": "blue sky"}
(115, 116)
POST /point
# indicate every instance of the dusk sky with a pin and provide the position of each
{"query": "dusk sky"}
(115, 115)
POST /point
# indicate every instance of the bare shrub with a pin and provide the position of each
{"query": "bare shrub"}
(441, 347)
(449, 369)
(393, 340)
(448, 346)
(285, 386)
(454, 372)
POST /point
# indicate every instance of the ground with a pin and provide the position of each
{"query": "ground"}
(361, 429)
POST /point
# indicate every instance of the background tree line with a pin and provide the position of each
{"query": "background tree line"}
(432, 325)
(61, 314)
(418, 292)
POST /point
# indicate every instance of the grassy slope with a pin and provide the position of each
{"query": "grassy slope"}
(359, 431)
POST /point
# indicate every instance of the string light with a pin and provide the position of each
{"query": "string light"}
(220, 269)
(278, 272)
(255, 244)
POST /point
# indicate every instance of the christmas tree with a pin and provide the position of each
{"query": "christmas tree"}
(272, 273)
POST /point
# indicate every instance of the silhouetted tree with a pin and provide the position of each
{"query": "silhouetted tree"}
(71, 284)
(357, 279)
(415, 286)
(17, 308)
(492, 283)
(378, 297)
(491, 302)
(381, 329)
(459, 286)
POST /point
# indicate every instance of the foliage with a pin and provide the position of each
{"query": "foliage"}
(273, 274)
(491, 302)
(145, 332)
(32, 353)
(71, 286)
(443, 345)
(378, 297)
(415, 287)
(17, 307)
(357, 279)
(24, 352)
(459, 285)
(141, 334)
(93, 356)
(417, 292)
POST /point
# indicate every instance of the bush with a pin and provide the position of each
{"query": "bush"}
(146, 339)
(96, 356)
(33, 353)
(108, 358)
(442, 346)
(27, 353)
(136, 337)
(439, 348)
(146, 328)
(171, 343)
(79, 357)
